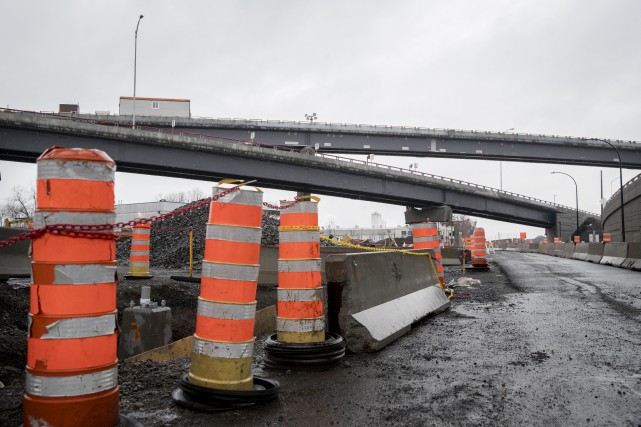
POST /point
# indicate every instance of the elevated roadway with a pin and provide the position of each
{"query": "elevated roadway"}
(24, 136)
(405, 141)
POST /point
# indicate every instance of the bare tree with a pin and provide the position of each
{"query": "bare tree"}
(21, 204)
(182, 196)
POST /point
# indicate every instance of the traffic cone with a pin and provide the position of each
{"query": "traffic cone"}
(72, 367)
(301, 339)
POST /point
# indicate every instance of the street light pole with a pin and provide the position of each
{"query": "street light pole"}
(133, 120)
(620, 184)
(576, 187)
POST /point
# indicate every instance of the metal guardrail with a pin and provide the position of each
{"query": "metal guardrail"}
(290, 149)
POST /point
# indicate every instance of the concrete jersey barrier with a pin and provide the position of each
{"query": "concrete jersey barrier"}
(581, 251)
(595, 252)
(375, 297)
(633, 260)
(614, 254)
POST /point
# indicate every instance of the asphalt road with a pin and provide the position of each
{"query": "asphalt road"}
(556, 344)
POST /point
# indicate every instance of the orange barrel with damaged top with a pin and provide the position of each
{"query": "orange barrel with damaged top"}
(72, 367)
(301, 317)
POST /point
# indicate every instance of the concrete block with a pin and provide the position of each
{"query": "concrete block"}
(581, 251)
(450, 255)
(568, 250)
(433, 214)
(374, 298)
(14, 259)
(143, 328)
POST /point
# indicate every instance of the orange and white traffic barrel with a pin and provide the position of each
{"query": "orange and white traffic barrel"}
(576, 239)
(300, 309)
(425, 235)
(301, 339)
(607, 238)
(479, 255)
(72, 367)
(220, 375)
(139, 255)
(224, 338)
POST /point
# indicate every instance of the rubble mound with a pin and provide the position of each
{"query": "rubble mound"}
(169, 241)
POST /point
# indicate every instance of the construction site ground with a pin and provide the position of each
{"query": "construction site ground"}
(515, 350)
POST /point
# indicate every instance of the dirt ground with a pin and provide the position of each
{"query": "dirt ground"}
(145, 387)
(181, 297)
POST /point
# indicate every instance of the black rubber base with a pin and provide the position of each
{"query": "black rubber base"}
(304, 355)
(213, 400)
(128, 277)
(125, 421)
(478, 268)
(185, 279)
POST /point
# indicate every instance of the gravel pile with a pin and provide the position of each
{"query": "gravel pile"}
(169, 245)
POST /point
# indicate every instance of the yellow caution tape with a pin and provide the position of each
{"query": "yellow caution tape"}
(238, 182)
(314, 198)
(299, 228)
(400, 251)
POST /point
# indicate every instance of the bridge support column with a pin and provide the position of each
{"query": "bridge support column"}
(432, 214)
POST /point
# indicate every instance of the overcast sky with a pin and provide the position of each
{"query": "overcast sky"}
(542, 66)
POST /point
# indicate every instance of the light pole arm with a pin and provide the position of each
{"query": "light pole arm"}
(620, 184)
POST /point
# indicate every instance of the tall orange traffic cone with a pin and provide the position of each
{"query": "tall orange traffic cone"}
(72, 368)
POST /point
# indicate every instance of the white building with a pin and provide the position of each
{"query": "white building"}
(165, 107)
(377, 220)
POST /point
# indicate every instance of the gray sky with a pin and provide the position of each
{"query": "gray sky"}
(546, 66)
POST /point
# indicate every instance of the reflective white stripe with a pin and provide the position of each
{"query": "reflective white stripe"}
(80, 327)
(215, 270)
(225, 350)
(140, 242)
(425, 239)
(221, 310)
(301, 207)
(83, 274)
(138, 264)
(300, 294)
(42, 218)
(300, 325)
(73, 169)
(295, 266)
(240, 197)
(233, 234)
(75, 385)
(299, 236)
(139, 253)
(140, 231)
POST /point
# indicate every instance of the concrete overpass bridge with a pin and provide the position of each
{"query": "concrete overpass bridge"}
(344, 138)
(24, 136)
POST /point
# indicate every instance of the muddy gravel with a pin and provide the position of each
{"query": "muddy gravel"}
(541, 341)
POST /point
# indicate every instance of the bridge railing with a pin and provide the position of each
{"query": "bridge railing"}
(72, 117)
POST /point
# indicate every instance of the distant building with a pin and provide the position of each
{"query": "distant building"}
(377, 220)
(165, 107)
(68, 108)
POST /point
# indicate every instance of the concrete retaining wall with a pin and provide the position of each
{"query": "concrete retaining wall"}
(14, 261)
(374, 298)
